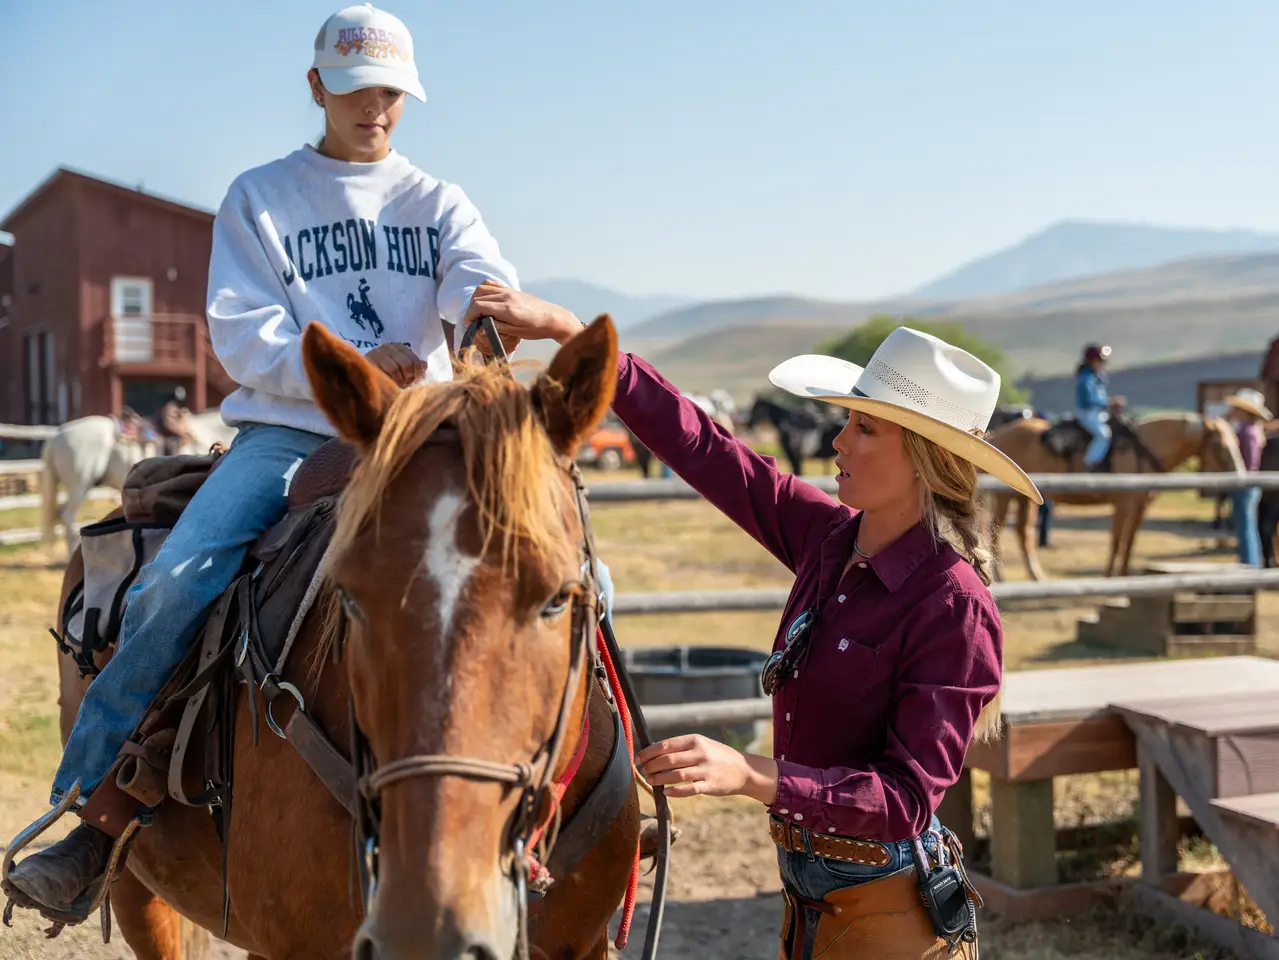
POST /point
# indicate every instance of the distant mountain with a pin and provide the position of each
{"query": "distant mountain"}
(700, 318)
(588, 301)
(1079, 248)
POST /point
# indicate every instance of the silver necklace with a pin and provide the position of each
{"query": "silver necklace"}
(858, 550)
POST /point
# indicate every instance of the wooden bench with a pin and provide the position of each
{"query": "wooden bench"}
(1221, 756)
(1062, 721)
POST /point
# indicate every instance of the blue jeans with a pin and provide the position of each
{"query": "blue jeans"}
(1097, 423)
(1243, 510)
(813, 877)
(171, 597)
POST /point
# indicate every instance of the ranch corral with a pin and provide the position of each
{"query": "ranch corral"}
(723, 890)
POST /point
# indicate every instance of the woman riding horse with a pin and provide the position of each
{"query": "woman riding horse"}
(291, 241)
(888, 659)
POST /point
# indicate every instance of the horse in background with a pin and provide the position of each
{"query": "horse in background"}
(100, 451)
(1170, 439)
(803, 433)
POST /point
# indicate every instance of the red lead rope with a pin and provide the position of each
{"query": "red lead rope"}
(536, 869)
(632, 885)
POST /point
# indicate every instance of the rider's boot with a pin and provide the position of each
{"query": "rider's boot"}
(66, 881)
(63, 876)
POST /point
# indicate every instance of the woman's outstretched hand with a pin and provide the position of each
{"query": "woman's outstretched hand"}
(521, 316)
(694, 765)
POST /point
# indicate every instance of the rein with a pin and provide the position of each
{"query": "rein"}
(535, 778)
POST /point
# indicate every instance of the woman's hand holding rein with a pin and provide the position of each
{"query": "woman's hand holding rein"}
(694, 765)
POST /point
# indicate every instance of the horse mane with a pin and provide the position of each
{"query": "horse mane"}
(509, 462)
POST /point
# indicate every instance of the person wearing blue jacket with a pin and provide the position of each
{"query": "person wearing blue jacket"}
(1092, 402)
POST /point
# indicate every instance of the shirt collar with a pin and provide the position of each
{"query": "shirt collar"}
(896, 562)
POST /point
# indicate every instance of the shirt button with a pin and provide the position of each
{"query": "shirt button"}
(830, 829)
(799, 816)
(788, 716)
(862, 565)
(783, 811)
(843, 597)
(796, 675)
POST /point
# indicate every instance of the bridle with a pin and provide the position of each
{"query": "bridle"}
(534, 778)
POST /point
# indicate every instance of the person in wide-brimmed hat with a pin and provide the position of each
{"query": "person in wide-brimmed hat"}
(887, 661)
(1247, 412)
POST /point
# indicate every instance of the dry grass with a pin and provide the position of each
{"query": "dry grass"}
(678, 545)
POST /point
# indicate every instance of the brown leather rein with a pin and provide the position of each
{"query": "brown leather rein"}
(534, 778)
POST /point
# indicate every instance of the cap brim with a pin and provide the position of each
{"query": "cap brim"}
(344, 80)
(831, 380)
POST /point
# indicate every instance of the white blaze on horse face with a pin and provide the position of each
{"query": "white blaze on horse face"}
(445, 561)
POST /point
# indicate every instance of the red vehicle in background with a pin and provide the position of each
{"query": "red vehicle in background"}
(609, 448)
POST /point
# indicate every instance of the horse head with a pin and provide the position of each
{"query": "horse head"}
(460, 560)
(1219, 448)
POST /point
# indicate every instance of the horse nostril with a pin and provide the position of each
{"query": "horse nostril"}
(479, 951)
(365, 949)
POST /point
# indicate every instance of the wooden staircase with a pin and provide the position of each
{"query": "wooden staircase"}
(1221, 756)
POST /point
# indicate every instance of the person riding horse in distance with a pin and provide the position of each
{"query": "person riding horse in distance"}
(888, 659)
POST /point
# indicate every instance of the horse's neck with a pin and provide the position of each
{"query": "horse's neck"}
(1172, 441)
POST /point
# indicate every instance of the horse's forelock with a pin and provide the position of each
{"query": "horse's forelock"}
(510, 465)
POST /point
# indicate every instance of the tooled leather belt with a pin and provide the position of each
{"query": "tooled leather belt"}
(793, 838)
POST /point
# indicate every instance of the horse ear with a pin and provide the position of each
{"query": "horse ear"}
(577, 388)
(354, 394)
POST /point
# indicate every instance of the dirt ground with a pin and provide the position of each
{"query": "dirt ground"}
(724, 887)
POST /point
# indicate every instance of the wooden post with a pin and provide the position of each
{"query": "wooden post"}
(1023, 837)
(1160, 828)
(956, 811)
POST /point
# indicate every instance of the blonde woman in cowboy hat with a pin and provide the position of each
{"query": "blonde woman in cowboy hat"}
(1247, 412)
(887, 661)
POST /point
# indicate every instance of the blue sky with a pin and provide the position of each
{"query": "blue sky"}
(705, 149)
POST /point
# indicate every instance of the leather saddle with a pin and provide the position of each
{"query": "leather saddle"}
(182, 748)
(1067, 438)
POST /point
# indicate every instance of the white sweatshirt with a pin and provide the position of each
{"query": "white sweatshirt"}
(377, 252)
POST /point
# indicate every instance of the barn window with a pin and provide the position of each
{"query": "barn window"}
(131, 310)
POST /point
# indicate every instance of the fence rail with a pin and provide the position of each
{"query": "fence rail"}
(1048, 483)
(720, 601)
(23, 431)
(19, 467)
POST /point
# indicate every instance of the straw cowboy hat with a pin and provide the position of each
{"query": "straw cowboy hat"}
(1250, 401)
(922, 383)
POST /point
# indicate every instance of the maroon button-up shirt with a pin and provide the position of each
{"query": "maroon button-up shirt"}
(906, 652)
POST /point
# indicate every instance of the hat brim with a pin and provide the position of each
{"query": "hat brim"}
(831, 380)
(344, 80)
(1257, 411)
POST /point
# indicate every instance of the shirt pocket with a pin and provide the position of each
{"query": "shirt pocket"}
(846, 669)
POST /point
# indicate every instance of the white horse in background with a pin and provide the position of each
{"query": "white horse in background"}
(92, 451)
(719, 406)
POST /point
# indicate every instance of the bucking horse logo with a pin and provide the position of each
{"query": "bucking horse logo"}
(362, 310)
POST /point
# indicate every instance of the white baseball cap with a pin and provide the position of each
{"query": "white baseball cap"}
(362, 46)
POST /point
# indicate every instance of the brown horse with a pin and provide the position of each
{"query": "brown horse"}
(1171, 438)
(458, 563)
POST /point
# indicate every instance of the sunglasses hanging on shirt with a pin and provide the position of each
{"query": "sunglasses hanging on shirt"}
(782, 664)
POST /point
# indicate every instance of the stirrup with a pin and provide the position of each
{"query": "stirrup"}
(100, 897)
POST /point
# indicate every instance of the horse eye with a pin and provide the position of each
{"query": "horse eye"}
(558, 603)
(350, 607)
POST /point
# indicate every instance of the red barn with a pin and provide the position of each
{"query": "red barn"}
(102, 299)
